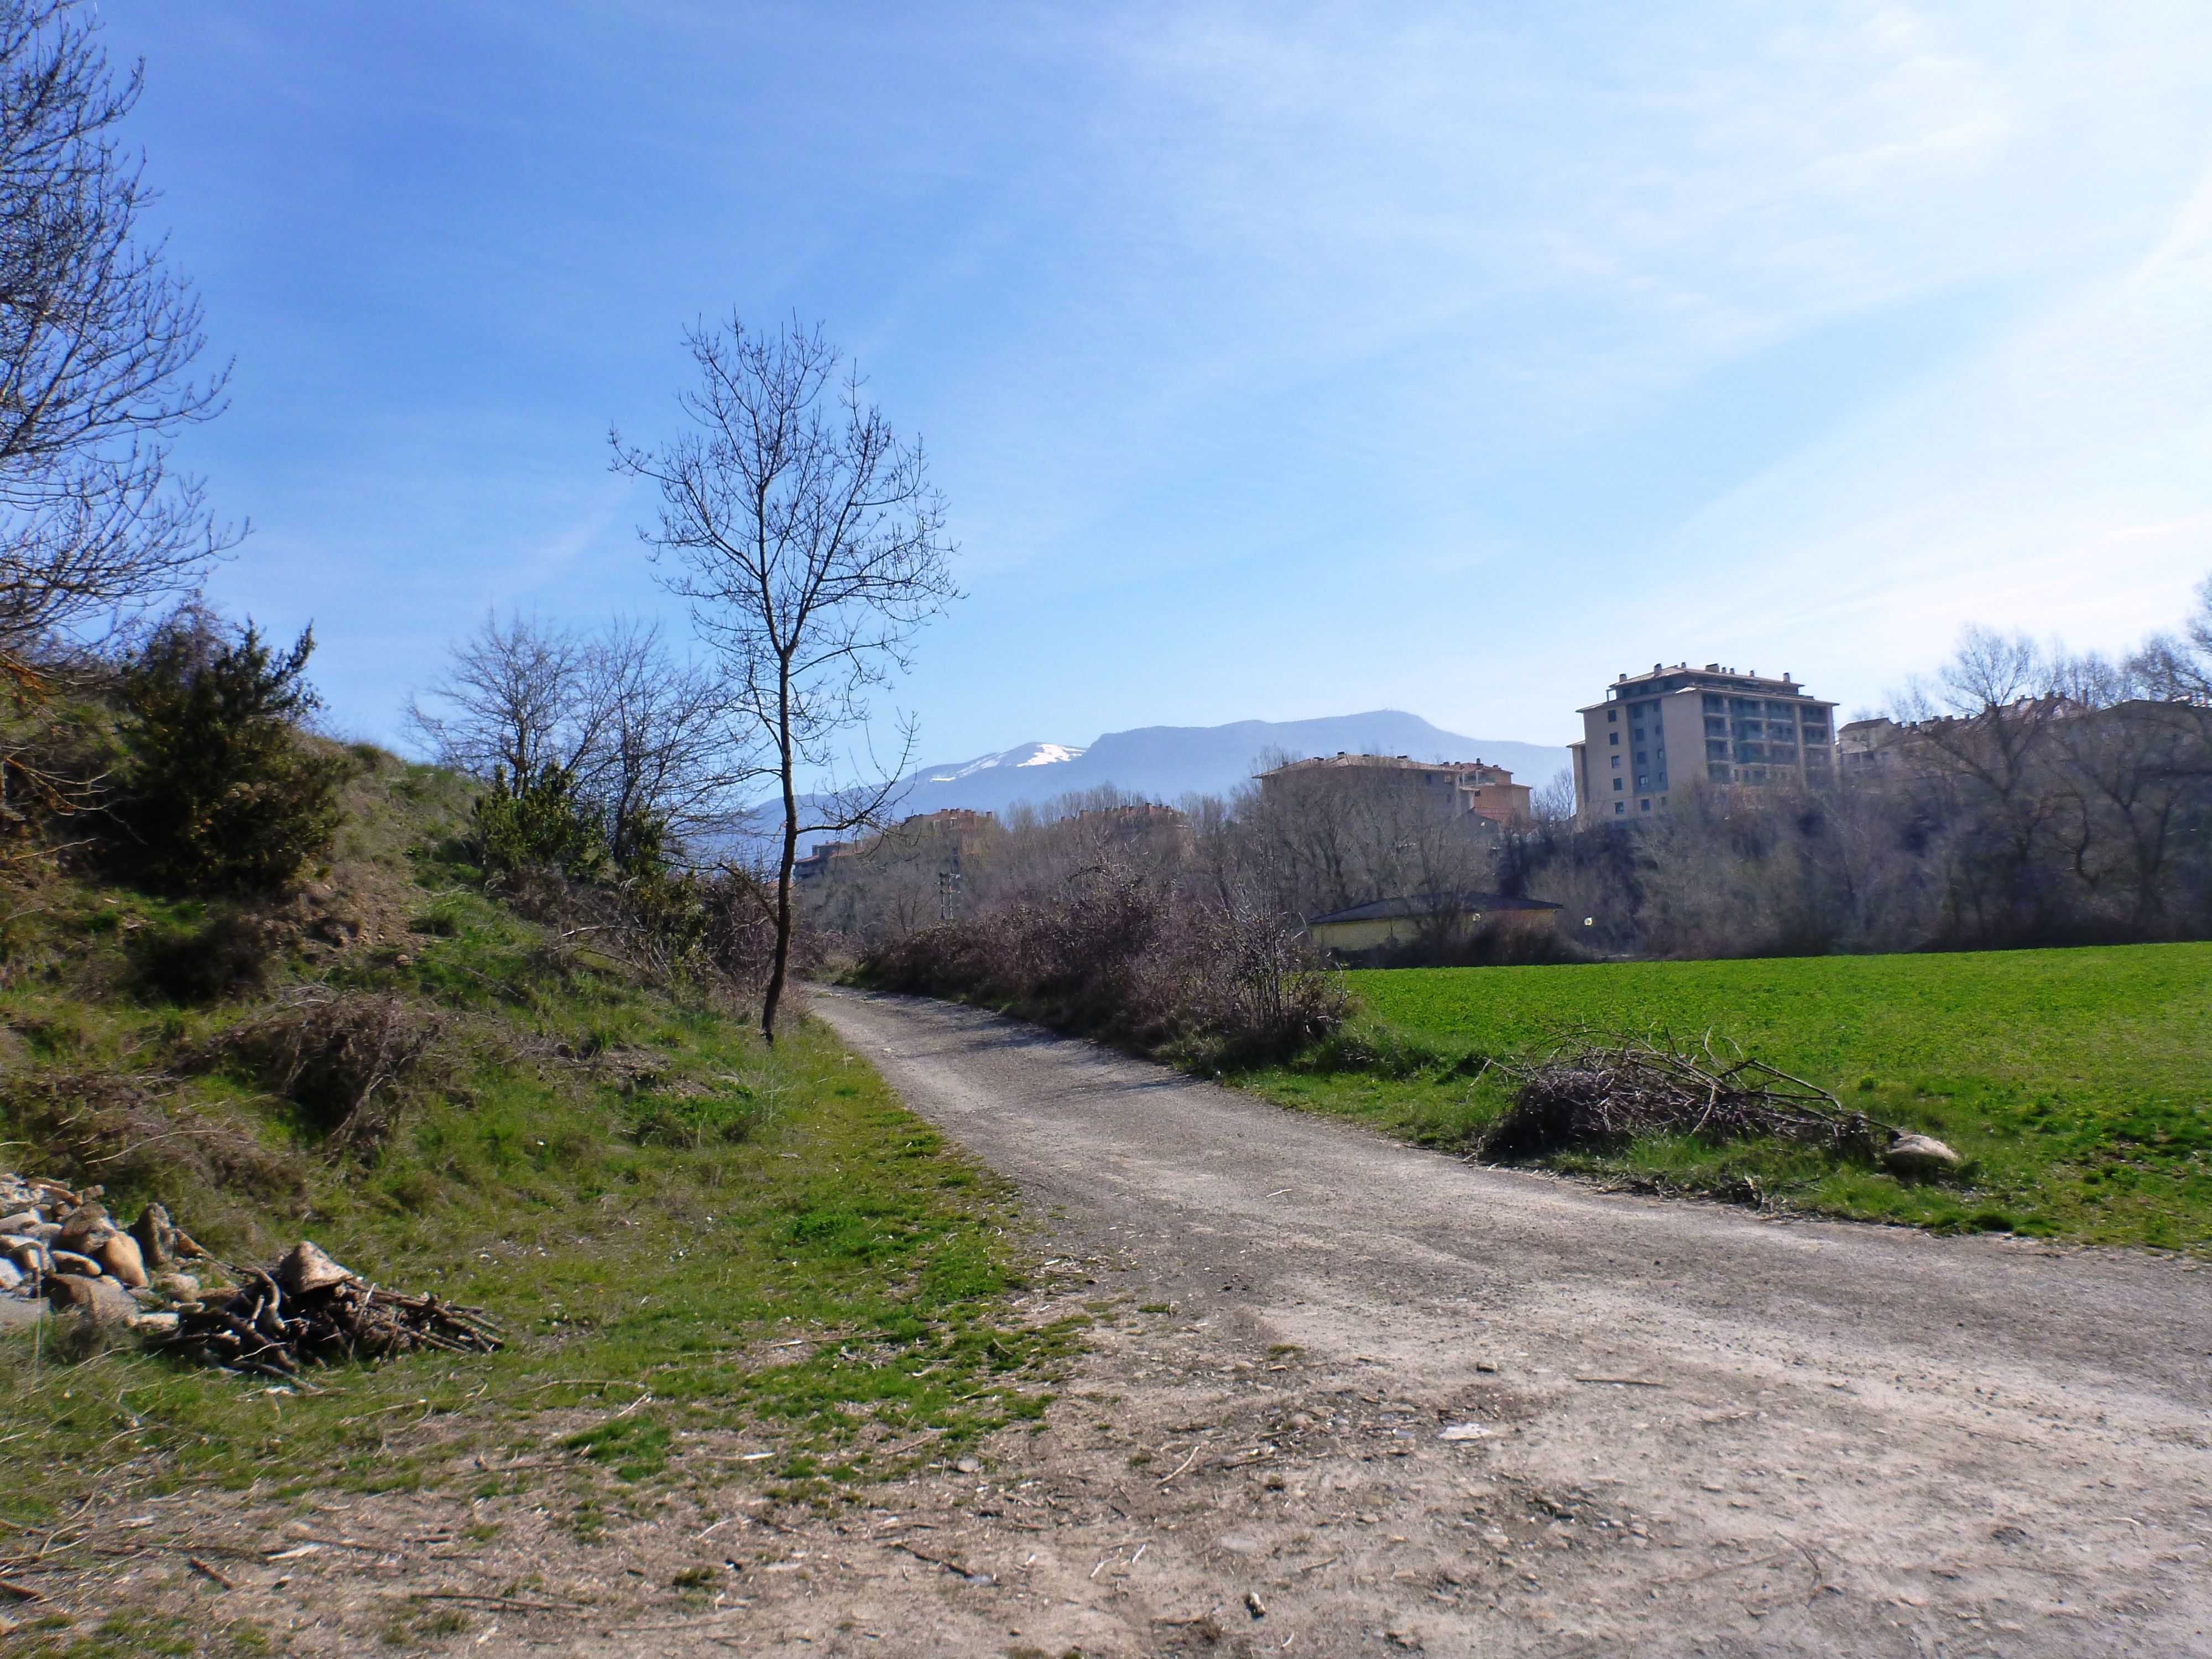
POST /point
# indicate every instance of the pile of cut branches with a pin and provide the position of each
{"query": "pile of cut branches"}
(1599, 1094)
(308, 1307)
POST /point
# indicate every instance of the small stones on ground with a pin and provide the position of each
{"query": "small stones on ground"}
(156, 1236)
(85, 1229)
(120, 1254)
(1463, 1432)
(1254, 1605)
(970, 1465)
(101, 1300)
(62, 1246)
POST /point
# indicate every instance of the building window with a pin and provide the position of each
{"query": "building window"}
(1642, 780)
(1715, 725)
(1616, 783)
(1612, 716)
(1620, 806)
(1643, 755)
(1612, 738)
(1716, 749)
(1616, 762)
(1647, 805)
(1716, 705)
(1719, 774)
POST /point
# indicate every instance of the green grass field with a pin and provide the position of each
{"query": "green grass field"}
(2078, 1082)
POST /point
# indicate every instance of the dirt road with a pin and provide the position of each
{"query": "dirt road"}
(1408, 1404)
(1343, 1397)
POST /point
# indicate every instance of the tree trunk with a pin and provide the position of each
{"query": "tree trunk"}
(774, 995)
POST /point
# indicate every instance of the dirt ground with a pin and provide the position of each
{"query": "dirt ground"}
(1347, 1397)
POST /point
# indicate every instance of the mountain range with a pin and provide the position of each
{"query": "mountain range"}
(1166, 763)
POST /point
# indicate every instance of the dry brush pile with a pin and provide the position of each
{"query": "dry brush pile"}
(1593, 1094)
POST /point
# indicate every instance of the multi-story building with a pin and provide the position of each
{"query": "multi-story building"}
(1658, 733)
(1444, 789)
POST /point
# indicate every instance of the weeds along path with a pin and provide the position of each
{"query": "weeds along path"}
(1400, 1402)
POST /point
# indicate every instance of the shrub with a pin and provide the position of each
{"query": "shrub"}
(222, 795)
(231, 953)
(1211, 982)
(345, 1060)
(538, 822)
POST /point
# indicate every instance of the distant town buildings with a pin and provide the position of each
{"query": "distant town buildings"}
(1654, 734)
(954, 828)
(1446, 789)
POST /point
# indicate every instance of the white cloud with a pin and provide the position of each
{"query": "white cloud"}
(2059, 481)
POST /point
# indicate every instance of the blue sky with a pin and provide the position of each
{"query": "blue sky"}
(1278, 360)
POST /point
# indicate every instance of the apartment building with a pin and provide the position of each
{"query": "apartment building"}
(1656, 734)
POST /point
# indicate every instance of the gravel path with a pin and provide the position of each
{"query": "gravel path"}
(1675, 1427)
(1340, 1397)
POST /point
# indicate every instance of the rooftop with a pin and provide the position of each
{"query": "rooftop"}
(1661, 680)
(1397, 763)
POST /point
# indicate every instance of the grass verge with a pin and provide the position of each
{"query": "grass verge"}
(713, 1259)
(2075, 1081)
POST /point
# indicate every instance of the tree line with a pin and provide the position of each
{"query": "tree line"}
(2020, 796)
(2023, 796)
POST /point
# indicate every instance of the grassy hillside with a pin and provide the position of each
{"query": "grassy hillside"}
(2078, 1082)
(710, 1257)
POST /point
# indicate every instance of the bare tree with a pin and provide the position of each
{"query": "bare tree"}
(638, 733)
(1555, 802)
(2179, 668)
(97, 341)
(656, 766)
(513, 699)
(810, 545)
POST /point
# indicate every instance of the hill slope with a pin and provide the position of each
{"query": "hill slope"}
(452, 1093)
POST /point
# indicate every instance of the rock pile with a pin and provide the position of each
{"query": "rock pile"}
(63, 1246)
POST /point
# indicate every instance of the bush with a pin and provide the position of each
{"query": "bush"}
(1209, 982)
(537, 822)
(1485, 944)
(222, 795)
(232, 952)
(347, 1060)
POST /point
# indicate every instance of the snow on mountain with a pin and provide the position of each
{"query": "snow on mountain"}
(1029, 754)
(1048, 753)
(1166, 763)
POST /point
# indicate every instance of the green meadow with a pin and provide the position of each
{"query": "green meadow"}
(2078, 1083)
